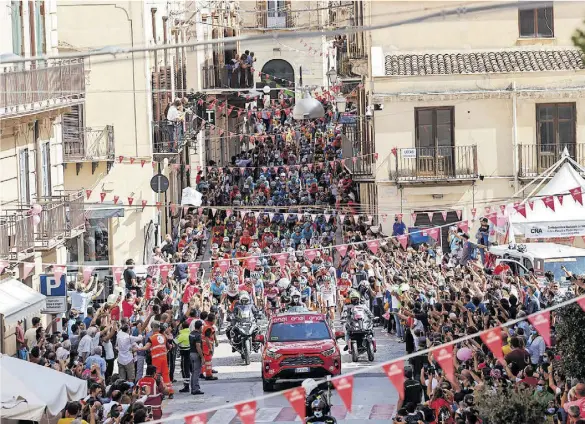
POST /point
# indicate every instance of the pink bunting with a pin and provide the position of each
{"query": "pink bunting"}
(464, 226)
(577, 194)
(27, 267)
(541, 322)
(521, 209)
(373, 245)
(549, 202)
(344, 386)
(434, 233)
(395, 372)
(58, 271)
(403, 240)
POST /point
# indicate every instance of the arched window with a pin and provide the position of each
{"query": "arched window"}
(281, 74)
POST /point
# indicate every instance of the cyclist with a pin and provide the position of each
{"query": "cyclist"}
(328, 297)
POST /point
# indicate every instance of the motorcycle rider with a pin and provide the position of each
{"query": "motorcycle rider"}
(295, 301)
(243, 305)
(354, 300)
(318, 407)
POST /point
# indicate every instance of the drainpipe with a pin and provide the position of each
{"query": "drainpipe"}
(156, 71)
(515, 137)
(166, 56)
(179, 83)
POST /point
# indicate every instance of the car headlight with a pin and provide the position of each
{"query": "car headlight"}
(273, 355)
(329, 352)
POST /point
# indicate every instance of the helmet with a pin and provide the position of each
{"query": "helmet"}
(304, 270)
(318, 406)
(244, 298)
(226, 239)
(309, 385)
(344, 276)
(295, 297)
(354, 297)
(283, 283)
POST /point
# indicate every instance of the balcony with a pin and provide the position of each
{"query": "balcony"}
(225, 77)
(17, 240)
(169, 139)
(277, 19)
(534, 159)
(89, 145)
(49, 85)
(428, 165)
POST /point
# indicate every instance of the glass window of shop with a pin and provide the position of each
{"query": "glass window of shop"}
(96, 245)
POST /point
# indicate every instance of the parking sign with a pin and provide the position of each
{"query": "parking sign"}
(56, 292)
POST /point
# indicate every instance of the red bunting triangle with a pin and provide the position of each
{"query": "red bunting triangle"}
(434, 233)
(116, 198)
(492, 217)
(521, 209)
(132, 159)
(464, 226)
(344, 387)
(59, 271)
(541, 322)
(193, 268)
(373, 246)
(130, 200)
(560, 199)
(120, 158)
(549, 202)
(493, 340)
(296, 398)
(342, 249)
(403, 240)
(144, 204)
(164, 272)
(142, 163)
(27, 267)
(577, 194)
(158, 205)
(117, 271)
(87, 193)
(444, 356)
(246, 411)
(395, 372)
(200, 418)
(102, 196)
(87, 270)
(581, 303)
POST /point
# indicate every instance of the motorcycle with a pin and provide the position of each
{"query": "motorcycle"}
(243, 333)
(361, 334)
(313, 392)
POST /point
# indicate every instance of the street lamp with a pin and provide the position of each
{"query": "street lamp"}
(266, 89)
(332, 76)
(341, 103)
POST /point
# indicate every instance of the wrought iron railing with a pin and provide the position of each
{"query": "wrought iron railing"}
(434, 163)
(89, 144)
(227, 76)
(41, 86)
(534, 159)
(16, 236)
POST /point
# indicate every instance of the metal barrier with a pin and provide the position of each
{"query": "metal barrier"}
(434, 163)
(44, 81)
(89, 144)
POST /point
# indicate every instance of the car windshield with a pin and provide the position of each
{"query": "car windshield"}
(298, 332)
(576, 265)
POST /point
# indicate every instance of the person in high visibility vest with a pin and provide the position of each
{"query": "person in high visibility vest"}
(157, 344)
(208, 343)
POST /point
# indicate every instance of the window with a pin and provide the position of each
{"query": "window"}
(73, 131)
(556, 126)
(536, 23)
(46, 163)
(95, 243)
(23, 176)
(434, 141)
(16, 20)
(40, 27)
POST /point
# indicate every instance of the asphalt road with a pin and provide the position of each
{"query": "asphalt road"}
(374, 397)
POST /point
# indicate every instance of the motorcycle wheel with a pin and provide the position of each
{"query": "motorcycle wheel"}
(354, 351)
(370, 349)
(246, 353)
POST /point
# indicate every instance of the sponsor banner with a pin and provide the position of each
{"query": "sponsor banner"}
(554, 229)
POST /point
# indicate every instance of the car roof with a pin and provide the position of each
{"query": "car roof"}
(542, 250)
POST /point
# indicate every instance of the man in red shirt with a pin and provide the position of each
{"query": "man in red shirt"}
(580, 399)
(128, 306)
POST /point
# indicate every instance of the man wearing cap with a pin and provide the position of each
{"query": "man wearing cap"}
(157, 344)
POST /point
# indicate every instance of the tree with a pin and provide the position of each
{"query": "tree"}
(578, 39)
(505, 406)
(570, 329)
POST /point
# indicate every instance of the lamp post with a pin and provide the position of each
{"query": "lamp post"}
(331, 77)
(266, 91)
(341, 103)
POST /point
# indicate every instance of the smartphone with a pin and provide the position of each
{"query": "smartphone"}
(57, 319)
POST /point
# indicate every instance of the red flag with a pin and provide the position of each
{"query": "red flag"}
(560, 198)
(531, 204)
(473, 212)
(200, 418)
(521, 209)
(130, 200)
(27, 267)
(444, 356)
(493, 340)
(492, 217)
(193, 268)
(296, 398)
(310, 254)
(58, 271)
(434, 233)
(394, 151)
(373, 245)
(246, 411)
(224, 265)
(102, 196)
(158, 205)
(403, 240)
(541, 322)
(549, 202)
(281, 258)
(87, 270)
(344, 386)
(117, 271)
(375, 156)
(164, 272)
(251, 263)
(116, 198)
(88, 193)
(577, 194)
(132, 159)
(144, 203)
(464, 225)
(581, 303)
(142, 163)
(342, 249)
(395, 372)
(121, 158)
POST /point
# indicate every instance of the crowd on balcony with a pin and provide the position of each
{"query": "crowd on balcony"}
(240, 70)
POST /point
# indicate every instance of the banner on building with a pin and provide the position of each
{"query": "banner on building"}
(554, 229)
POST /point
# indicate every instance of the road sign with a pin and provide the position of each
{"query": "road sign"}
(51, 287)
(55, 305)
(210, 116)
(159, 183)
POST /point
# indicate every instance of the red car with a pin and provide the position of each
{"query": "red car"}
(299, 346)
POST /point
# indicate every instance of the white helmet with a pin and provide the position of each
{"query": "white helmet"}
(304, 269)
(296, 293)
(244, 298)
(309, 385)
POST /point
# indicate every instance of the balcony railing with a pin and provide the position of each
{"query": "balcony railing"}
(89, 144)
(356, 144)
(226, 77)
(534, 159)
(169, 138)
(427, 164)
(46, 85)
(277, 19)
(16, 237)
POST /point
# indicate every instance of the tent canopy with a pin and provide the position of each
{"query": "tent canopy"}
(17, 301)
(22, 399)
(568, 218)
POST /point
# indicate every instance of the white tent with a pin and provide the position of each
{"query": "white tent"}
(17, 301)
(29, 391)
(568, 218)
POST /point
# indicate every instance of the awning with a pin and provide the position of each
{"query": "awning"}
(104, 211)
(18, 301)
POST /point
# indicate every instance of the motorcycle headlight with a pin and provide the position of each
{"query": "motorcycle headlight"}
(328, 352)
(273, 355)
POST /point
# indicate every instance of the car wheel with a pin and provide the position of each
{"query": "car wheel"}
(267, 385)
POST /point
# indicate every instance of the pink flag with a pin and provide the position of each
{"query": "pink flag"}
(444, 215)
(296, 397)
(395, 372)
(560, 199)
(27, 267)
(117, 271)
(403, 239)
(444, 356)
(458, 212)
(464, 225)
(541, 322)
(493, 217)
(282, 257)
(344, 386)
(58, 271)
(342, 249)
(193, 268)
(577, 194)
(493, 340)
(434, 233)
(413, 216)
(430, 215)
(200, 418)
(310, 254)
(88, 193)
(521, 209)
(246, 411)
(373, 245)
(503, 209)
(549, 202)
(164, 272)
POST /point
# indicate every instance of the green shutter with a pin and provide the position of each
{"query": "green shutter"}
(16, 27)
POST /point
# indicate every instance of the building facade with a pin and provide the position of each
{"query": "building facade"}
(465, 120)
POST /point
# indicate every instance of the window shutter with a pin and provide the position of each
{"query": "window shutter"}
(73, 131)
(289, 14)
(261, 13)
(16, 9)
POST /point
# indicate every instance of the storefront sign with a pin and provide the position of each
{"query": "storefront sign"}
(347, 118)
(554, 229)
(409, 153)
